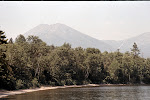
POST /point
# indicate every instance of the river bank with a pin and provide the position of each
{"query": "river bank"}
(4, 93)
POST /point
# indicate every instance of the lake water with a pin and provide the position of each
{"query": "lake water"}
(88, 93)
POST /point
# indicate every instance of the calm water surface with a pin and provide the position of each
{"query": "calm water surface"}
(88, 93)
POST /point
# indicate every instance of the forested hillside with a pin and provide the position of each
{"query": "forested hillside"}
(30, 62)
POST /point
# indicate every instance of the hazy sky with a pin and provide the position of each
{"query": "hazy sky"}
(104, 20)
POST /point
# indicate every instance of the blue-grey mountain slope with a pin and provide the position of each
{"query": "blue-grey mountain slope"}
(142, 41)
(58, 34)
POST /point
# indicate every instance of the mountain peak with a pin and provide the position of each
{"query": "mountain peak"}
(52, 25)
(58, 33)
(42, 25)
(60, 26)
(57, 26)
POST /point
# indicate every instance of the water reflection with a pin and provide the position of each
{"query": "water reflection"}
(88, 93)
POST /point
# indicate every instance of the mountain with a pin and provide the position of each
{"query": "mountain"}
(142, 41)
(115, 44)
(58, 34)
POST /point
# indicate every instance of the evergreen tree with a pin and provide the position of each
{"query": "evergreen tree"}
(2, 38)
(10, 41)
(6, 73)
(135, 50)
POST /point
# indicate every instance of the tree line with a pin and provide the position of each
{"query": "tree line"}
(30, 62)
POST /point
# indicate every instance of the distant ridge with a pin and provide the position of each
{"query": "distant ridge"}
(142, 41)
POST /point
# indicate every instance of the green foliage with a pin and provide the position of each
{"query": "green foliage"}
(51, 83)
(113, 68)
(2, 38)
(7, 80)
(10, 41)
(35, 83)
(29, 62)
(135, 50)
(20, 39)
(20, 84)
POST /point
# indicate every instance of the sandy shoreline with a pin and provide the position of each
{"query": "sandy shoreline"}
(4, 93)
(21, 91)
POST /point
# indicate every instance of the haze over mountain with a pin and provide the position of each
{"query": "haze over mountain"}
(142, 41)
(58, 34)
